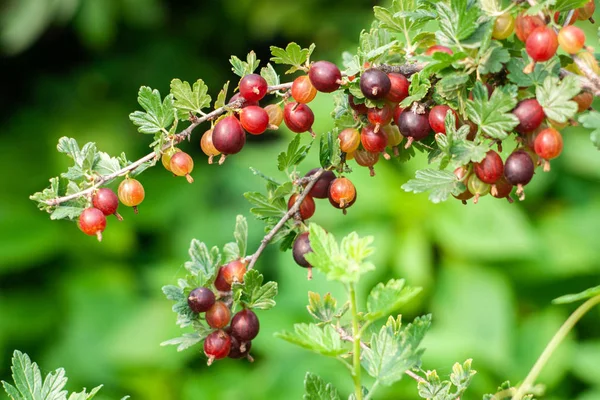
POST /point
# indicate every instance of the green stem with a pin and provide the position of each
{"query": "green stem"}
(356, 342)
(373, 388)
(553, 344)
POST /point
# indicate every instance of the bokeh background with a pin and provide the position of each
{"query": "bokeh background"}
(73, 67)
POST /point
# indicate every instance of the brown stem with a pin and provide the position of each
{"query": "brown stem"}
(290, 214)
(406, 69)
(177, 138)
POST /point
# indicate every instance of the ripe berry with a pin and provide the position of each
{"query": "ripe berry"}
(394, 137)
(228, 135)
(217, 346)
(201, 299)
(254, 119)
(365, 158)
(245, 102)
(298, 118)
(380, 116)
(413, 126)
(437, 118)
(303, 90)
(131, 193)
(397, 111)
(349, 140)
(300, 249)
(518, 170)
(325, 76)
(541, 44)
(234, 271)
(166, 157)
(571, 39)
(584, 101)
(307, 207)
(359, 108)
(207, 146)
(438, 48)
(373, 141)
(530, 114)
(399, 87)
(220, 283)
(218, 315)
(342, 192)
(490, 169)
(462, 173)
(548, 144)
(106, 201)
(563, 18)
(503, 189)
(245, 325)
(503, 26)
(182, 165)
(477, 187)
(525, 24)
(92, 222)
(253, 87)
(275, 113)
(375, 84)
(320, 190)
(586, 11)
(240, 349)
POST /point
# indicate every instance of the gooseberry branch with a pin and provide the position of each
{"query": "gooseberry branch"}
(177, 138)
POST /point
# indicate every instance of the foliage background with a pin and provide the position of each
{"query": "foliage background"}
(73, 68)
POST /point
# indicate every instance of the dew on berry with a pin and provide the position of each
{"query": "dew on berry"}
(92, 222)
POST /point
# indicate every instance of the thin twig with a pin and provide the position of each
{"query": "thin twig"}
(414, 376)
(290, 214)
(584, 82)
(589, 73)
(348, 338)
(177, 138)
(406, 69)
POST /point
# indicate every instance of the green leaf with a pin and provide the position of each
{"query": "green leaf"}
(452, 85)
(387, 299)
(241, 234)
(419, 86)
(457, 21)
(441, 184)
(222, 96)
(491, 61)
(568, 5)
(231, 251)
(189, 100)
(83, 395)
(203, 263)
(493, 116)
(541, 71)
(344, 262)
(243, 68)
(315, 388)
(188, 339)
(293, 55)
(270, 75)
(253, 294)
(440, 61)
(67, 212)
(342, 114)
(158, 115)
(265, 207)
(329, 150)
(323, 340)
(403, 15)
(572, 298)
(323, 309)
(393, 351)
(462, 375)
(591, 120)
(434, 388)
(294, 155)
(455, 146)
(555, 97)
(376, 43)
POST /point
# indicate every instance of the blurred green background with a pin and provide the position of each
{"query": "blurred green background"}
(73, 68)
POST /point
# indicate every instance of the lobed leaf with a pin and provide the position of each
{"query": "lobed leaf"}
(253, 294)
(386, 299)
(315, 388)
(158, 115)
(591, 120)
(243, 68)
(555, 95)
(294, 155)
(493, 116)
(292, 55)
(189, 100)
(441, 184)
(323, 340)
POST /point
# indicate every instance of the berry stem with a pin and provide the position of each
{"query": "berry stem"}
(288, 215)
(553, 345)
(177, 138)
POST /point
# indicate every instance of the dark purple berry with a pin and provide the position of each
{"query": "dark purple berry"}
(245, 325)
(518, 170)
(300, 248)
(321, 188)
(201, 299)
(413, 126)
(530, 114)
(325, 76)
(239, 349)
(229, 136)
(375, 84)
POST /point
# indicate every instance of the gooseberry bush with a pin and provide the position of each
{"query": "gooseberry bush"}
(481, 87)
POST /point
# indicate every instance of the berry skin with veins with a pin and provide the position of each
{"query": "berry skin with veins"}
(217, 345)
(320, 189)
(166, 157)
(307, 207)
(571, 39)
(503, 190)
(490, 169)
(349, 140)
(325, 76)
(548, 144)
(254, 119)
(228, 136)
(367, 159)
(477, 187)
(298, 118)
(207, 146)
(541, 44)
(375, 84)
(303, 90)
(92, 222)
(399, 87)
(530, 114)
(503, 26)
(437, 118)
(106, 201)
(245, 325)
(218, 315)
(201, 299)
(131, 193)
(253, 87)
(182, 164)
(380, 116)
(373, 140)
(342, 192)
(525, 24)
(275, 113)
